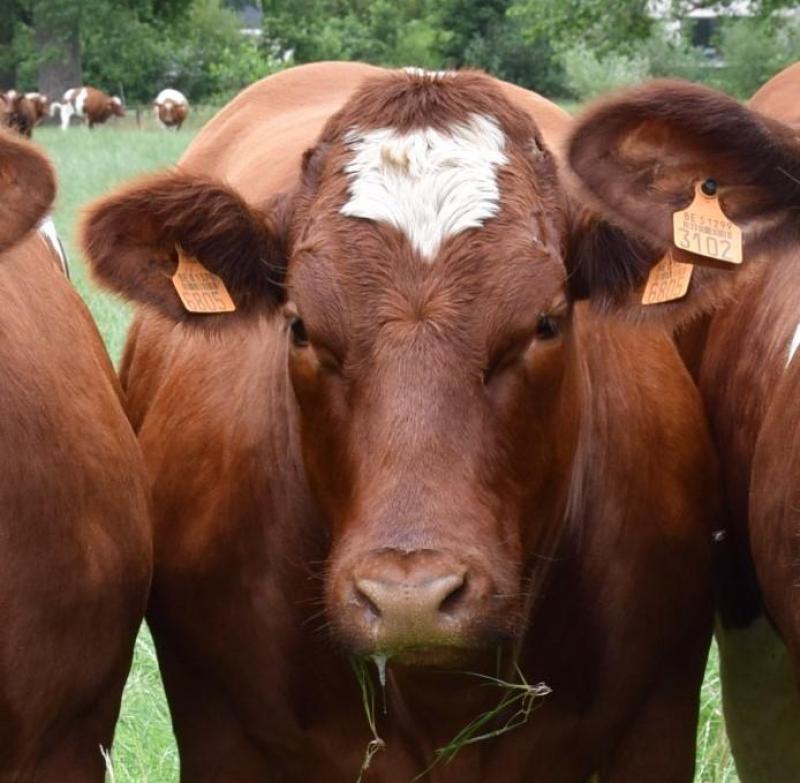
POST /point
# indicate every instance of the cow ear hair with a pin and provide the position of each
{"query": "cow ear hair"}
(27, 188)
(131, 239)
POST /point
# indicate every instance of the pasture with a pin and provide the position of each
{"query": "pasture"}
(90, 164)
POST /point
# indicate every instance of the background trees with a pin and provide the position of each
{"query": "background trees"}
(562, 48)
(129, 47)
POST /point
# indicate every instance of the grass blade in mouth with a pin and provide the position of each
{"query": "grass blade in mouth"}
(520, 695)
(364, 680)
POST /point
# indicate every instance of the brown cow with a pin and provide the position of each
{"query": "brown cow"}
(76, 552)
(746, 377)
(409, 439)
(171, 108)
(41, 105)
(17, 112)
(90, 104)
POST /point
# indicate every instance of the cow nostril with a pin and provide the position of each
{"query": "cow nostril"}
(365, 602)
(453, 600)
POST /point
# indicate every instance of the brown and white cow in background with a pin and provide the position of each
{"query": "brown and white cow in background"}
(17, 112)
(411, 441)
(76, 553)
(41, 106)
(88, 103)
(171, 108)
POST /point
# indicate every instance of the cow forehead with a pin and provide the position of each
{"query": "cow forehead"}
(429, 183)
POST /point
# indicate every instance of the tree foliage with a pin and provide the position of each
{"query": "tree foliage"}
(136, 47)
(558, 47)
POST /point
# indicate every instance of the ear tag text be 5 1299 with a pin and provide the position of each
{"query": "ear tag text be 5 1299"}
(704, 229)
(200, 291)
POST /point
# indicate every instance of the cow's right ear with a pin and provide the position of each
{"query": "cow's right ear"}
(651, 151)
(131, 239)
(27, 188)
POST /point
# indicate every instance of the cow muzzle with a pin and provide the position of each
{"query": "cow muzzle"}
(420, 606)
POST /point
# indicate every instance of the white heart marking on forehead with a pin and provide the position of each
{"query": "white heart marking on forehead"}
(428, 183)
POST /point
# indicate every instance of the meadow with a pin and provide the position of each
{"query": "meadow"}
(89, 164)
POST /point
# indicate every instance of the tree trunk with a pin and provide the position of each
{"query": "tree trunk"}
(57, 25)
(7, 69)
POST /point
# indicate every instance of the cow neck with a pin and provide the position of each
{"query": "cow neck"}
(745, 354)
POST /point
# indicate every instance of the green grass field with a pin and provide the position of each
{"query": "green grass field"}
(89, 164)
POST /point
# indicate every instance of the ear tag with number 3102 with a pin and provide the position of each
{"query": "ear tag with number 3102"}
(703, 228)
(200, 291)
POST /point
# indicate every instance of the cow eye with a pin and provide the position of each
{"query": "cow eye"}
(298, 330)
(546, 327)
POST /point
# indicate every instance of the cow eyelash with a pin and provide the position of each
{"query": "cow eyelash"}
(547, 327)
(298, 331)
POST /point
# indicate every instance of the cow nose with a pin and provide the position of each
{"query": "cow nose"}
(411, 602)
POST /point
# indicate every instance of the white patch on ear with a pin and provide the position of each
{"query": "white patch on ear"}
(794, 345)
(116, 100)
(430, 184)
(433, 76)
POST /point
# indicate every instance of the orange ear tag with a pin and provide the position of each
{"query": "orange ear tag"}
(668, 280)
(200, 291)
(702, 228)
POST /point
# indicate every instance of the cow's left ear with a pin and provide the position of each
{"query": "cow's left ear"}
(636, 159)
(132, 239)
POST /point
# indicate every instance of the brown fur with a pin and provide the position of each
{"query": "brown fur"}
(429, 422)
(743, 377)
(76, 557)
(17, 112)
(40, 105)
(27, 188)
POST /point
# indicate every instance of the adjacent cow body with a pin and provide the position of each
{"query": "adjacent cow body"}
(746, 373)
(171, 108)
(410, 442)
(76, 556)
(90, 104)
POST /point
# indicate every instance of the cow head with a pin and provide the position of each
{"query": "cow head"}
(27, 188)
(426, 267)
(115, 106)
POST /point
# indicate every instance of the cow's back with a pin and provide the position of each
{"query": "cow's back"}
(780, 96)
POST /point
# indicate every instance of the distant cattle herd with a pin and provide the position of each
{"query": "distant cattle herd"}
(449, 428)
(23, 111)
